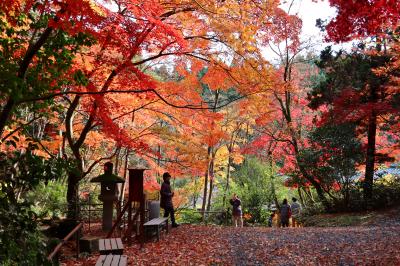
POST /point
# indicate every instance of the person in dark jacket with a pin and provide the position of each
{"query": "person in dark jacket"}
(166, 199)
(285, 213)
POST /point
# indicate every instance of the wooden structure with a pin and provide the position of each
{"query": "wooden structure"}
(111, 246)
(157, 224)
(136, 195)
(112, 260)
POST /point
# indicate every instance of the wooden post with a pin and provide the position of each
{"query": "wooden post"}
(129, 229)
(141, 228)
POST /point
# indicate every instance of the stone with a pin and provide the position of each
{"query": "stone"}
(89, 244)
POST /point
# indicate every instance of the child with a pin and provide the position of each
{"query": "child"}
(271, 218)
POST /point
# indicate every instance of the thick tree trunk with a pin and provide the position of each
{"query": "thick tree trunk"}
(370, 160)
(72, 196)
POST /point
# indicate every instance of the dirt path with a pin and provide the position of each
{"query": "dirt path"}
(213, 245)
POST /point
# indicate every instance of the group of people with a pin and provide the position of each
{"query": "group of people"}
(287, 211)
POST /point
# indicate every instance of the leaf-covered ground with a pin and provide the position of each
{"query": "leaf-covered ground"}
(389, 217)
(213, 245)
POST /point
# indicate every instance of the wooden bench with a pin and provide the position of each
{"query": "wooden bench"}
(111, 246)
(112, 260)
(156, 224)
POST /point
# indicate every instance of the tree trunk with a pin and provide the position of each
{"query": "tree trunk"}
(370, 160)
(228, 176)
(72, 196)
(117, 161)
(314, 183)
(203, 206)
(195, 196)
(210, 194)
(211, 173)
(308, 193)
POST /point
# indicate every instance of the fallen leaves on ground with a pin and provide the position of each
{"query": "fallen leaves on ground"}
(215, 245)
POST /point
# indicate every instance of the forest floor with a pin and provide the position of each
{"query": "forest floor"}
(365, 238)
(216, 245)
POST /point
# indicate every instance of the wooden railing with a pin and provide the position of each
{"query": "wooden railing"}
(76, 231)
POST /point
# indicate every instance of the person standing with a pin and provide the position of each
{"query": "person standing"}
(285, 213)
(166, 199)
(236, 210)
(296, 210)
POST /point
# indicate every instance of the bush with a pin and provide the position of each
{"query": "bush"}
(385, 194)
(49, 199)
(21, 243)
(189, 216)
(314, 209)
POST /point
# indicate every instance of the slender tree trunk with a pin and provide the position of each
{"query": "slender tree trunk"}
(195, 195)
(121, 197)
(210, 194)
(211, 174)
(285, 108)
(316, 185)
(228, 176)
(159, 162)
(370, 160)
(203, 206)
(209, 154)
(309, 194)
(117, 161)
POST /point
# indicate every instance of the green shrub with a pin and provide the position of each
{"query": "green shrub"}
(21, 243)
(49, 199)
(188, 216)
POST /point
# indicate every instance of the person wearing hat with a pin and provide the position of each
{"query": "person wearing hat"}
(166, 199)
